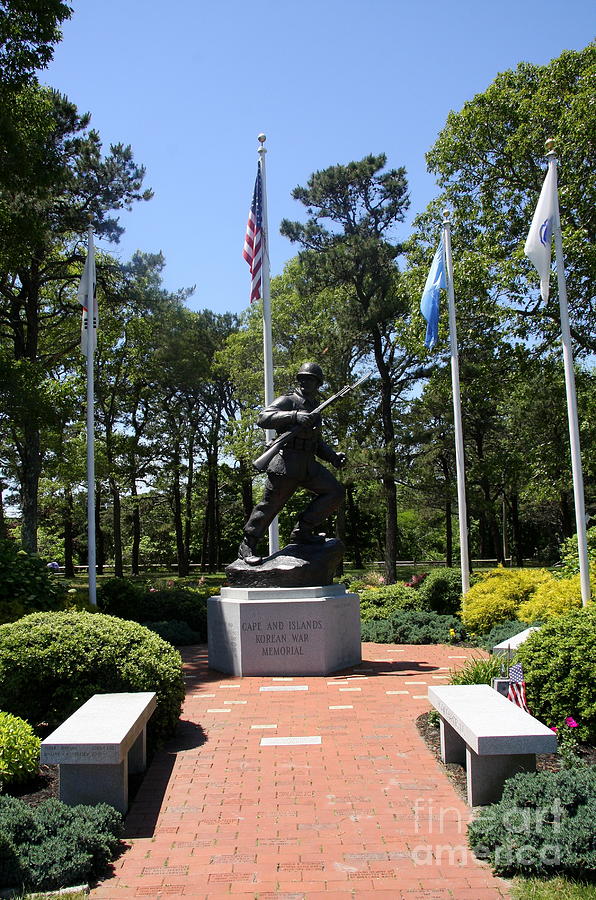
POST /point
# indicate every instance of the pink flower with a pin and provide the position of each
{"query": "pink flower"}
(152, 590)
(554, 728)
(571, 722)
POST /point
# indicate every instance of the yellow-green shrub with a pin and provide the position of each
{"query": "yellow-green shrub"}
(555, 597)
(498, 596)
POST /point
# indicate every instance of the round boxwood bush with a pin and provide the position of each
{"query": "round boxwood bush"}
(19, 750)
(414, 627)
(54, 845)
(441, 591)
(26, 585)
(51, 663)
(559, 662)
(543, 824)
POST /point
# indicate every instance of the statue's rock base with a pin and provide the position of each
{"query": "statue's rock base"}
(297, 565)
(284, 631)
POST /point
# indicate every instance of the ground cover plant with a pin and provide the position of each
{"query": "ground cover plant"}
(414, 627)
(51, 663)
(55, 845)
(544, 823)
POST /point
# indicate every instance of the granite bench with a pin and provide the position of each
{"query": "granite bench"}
(488, 734)
(97, 747)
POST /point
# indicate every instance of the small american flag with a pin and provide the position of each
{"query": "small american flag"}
(253, 242)
(517, 687)
(88, 300)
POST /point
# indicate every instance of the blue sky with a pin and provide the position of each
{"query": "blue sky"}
(190, 85)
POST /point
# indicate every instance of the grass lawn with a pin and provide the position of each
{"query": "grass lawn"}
(550, 888)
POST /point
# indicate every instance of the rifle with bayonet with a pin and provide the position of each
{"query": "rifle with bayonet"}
(275, 446)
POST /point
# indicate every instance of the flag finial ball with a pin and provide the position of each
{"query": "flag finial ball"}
(550, 145)
(446, 214)
(261, 138)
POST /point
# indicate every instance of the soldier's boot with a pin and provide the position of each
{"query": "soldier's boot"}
(305, 534)
(248, 551)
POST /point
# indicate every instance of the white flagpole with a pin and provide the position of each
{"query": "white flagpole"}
(267, 338)
(91, 423)
(459, 440)
(576, 462)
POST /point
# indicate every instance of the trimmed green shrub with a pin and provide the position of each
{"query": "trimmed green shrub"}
(559, 662)
(120, 597)
(552, 598)
(477, 670)
(570, 556)
(51, 663)
(19, 750)
(441, 591)
(380, 603)
(497, 597)
(543, 823)
(174, 632)
(54, 845)
(26, 585)
(414, 627)
(502, 632)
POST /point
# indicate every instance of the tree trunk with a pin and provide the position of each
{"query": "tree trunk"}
(136, 528)
(515, 532)
(354, 520)
(566, 516)
(188, 504)
(117, 528)
(100, 542)
(448, 534)
(30, 453)
(3, 528)
(178, 526)
(246, 488)
(68, 534)
(389, 460)
(209, 548)
(340, 533)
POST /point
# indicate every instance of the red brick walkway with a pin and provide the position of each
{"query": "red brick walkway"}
(362, 811)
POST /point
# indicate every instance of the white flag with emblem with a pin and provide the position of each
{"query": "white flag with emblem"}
(538, 242)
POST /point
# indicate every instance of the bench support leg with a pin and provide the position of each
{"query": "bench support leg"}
(137, 755)
(486, 775)
(453, 747)
(95, 784)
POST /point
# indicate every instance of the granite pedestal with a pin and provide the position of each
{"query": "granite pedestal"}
(284, 631)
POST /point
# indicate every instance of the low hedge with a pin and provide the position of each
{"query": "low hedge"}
(138, 603)
(543, 824)
(54, 845)
(441, 591)
(414, 627)
(51, 663)
(380, 603)
(19, 750)
(26, 585)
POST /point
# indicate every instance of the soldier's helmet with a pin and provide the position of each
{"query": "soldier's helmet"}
(311, 368)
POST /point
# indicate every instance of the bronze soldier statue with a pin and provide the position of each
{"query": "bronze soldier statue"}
(294, 466)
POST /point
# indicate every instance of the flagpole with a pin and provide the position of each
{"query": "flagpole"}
(267, 338)
(459, 440)
(576, 462)
(91, 423)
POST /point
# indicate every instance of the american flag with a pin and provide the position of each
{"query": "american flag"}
(517, 687)
(87, 301)
(253, 242)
